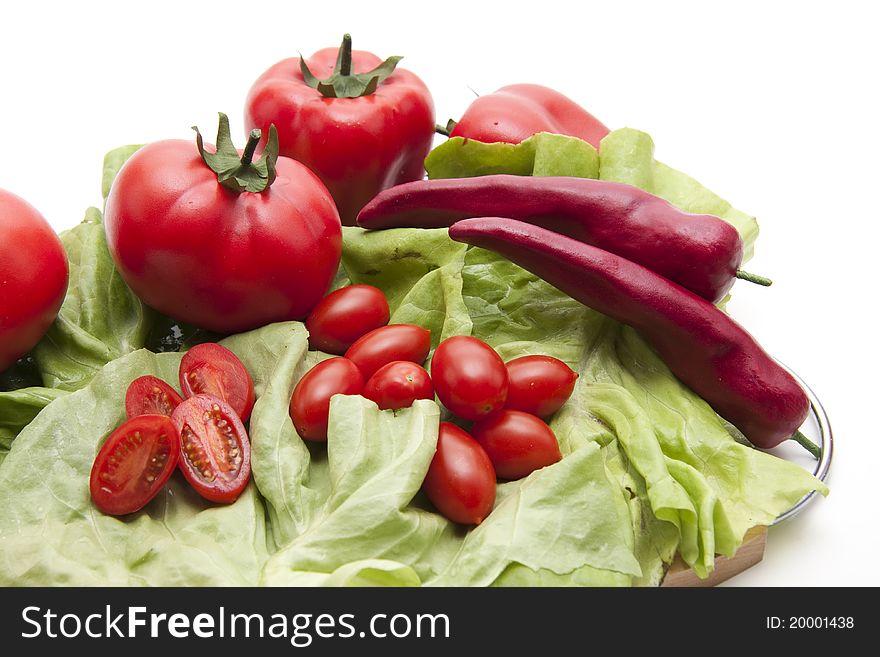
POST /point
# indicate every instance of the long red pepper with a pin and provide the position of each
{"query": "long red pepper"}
(702, 346)
(699, 252)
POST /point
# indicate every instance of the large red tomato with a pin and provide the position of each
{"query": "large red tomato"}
(33, 277)
(222, 244)
(362, 125)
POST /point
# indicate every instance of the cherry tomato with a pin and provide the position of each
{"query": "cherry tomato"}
(148, 395)
(215, 453)
(343, 316)
(310, 403)
(221, 259)
(539, 385)
(460, 480)
(211, 369)
(133, 464)
(387, 344)
(517, 443)
(33, 277)
(398, 385)
(469, 377)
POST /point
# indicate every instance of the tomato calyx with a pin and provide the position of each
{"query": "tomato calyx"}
(240, 173)
(344, 83)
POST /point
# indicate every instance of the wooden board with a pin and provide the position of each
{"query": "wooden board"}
(750, 553)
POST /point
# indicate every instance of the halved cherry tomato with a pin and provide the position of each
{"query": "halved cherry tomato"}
(211, 369)
(343, 316)
(215, 453)
(387, 344)
(460, 480)
(398, 385)
(149, 395)
(469, 377)
(517, 443)
(310, 403)
(133, 464)
(539, 385)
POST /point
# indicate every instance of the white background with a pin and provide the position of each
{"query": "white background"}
(771, 104)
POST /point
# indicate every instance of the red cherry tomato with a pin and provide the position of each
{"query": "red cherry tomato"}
(215, 453)
(211, 369)
(398, 385)
(133, 464)
(539, 385)
(517, 443)
(460, 480)
(222, 260)
(344, 316)
(33, 277)
(469, 377)
(310, 403)
(387, 344)
(148, 395)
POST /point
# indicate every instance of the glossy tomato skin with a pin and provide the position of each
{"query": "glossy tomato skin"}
(33, 277)
(518, 111)
(357, 146)
(345, 315)
(539, 385)
(469, 377)
(150, 395)
(460, 480)
(398, 384)
(133, 464)
(204, 255)
(388, 344)
(310, 403)
(517, 443)
(215, 452)
(212, 369)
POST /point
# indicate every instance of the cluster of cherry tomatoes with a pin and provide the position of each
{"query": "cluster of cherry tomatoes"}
(507, 404)
(202, 434)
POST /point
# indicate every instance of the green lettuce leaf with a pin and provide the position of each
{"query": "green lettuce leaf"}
(101, 318)
(543, 154)
(681, 473)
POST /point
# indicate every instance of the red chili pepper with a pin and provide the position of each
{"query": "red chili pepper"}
(699, 252)
(366, 127)
(518, 111)
(702, 346)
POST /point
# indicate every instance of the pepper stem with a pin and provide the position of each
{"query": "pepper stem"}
(440, 130)
(247, 156)
(753, 278)
(807, 444)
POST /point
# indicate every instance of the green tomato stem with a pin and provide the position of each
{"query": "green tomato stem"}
(250, 148)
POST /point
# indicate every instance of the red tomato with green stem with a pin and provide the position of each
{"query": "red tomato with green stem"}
(133, 464)
(539, 385)
(398, 384)
(385, 345)
(215, 453)
(460, 481)
(469, 377)
(219, 240)
(345, 315)
(212, 369)
(33, 277)
(366, 126)
(150, 395)
(517, 443)
(310, 403)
